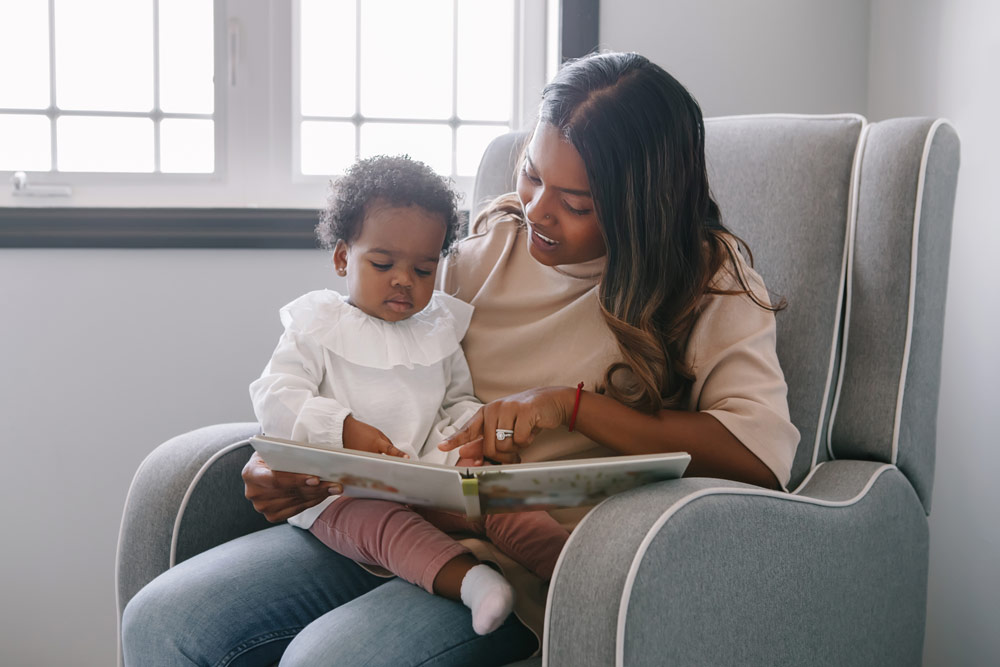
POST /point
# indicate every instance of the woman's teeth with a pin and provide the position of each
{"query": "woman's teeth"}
(543, 237)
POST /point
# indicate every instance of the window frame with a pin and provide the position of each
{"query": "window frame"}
(282, 222)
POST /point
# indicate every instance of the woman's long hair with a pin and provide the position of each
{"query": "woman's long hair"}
(642, 138)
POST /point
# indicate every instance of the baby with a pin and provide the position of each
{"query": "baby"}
(382, 370)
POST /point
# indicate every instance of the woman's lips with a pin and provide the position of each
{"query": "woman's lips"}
(542, 242)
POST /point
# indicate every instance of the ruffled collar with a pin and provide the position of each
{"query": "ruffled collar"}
(431, 335)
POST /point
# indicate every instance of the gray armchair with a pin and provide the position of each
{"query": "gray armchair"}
(851, 223)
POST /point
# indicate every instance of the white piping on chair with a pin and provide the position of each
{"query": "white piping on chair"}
(847, 284)
(655, 528)
(173, 536)
(799, 116)
(805, 481)
(190, 491)
(914, 247)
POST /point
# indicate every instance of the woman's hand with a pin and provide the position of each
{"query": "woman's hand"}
(525, 413)
(366, 438)
(280, 495)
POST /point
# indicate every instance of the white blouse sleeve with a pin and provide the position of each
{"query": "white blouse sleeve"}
(457, 408)
(285, 397)
(459, 403)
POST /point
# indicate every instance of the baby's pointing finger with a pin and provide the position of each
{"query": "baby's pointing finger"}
(392, 450)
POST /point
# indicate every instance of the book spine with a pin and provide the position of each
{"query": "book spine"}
(470, 493)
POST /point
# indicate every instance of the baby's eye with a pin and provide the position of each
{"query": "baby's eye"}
(422, 272)
(382, 267)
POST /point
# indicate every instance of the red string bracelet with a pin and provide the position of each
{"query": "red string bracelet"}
(576, 406)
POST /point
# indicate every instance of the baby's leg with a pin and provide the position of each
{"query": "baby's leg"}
(533, 539)
(387, 534)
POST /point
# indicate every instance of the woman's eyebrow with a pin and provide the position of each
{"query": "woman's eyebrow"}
(569, 191)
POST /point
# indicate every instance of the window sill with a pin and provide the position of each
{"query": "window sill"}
(157, 228)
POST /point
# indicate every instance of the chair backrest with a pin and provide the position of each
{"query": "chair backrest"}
(784, 184)
(886, 405)
(790, 186)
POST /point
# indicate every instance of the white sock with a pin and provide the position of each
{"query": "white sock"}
(489, 596)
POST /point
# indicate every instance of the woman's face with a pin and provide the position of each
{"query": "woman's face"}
(391, 265)
(558, 207)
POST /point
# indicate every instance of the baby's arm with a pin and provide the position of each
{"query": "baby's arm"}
(286, 400)
(286, 397)
(458, 407)
(460, 402)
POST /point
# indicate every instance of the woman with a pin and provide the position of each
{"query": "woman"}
(609, 267)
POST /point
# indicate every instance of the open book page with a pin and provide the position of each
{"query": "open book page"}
(489, 489)
(366, 475)
(572, 483)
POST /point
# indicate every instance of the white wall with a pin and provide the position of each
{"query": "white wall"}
(103, 355)
(739, 57)
(939, 59)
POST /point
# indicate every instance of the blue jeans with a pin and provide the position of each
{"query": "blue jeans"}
(281, 594)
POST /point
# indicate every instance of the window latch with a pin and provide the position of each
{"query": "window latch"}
(234, 51)
(22, 188)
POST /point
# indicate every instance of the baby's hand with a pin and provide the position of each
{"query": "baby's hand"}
(365, 438)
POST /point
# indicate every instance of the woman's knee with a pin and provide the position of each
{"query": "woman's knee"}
(151, 627)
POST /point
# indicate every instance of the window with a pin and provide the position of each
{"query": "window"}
(367, 86)
(133, 95)
(192, 103)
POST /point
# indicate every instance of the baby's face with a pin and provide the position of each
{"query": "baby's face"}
(392, 264)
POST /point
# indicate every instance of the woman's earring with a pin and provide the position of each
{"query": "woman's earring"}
(341, 272)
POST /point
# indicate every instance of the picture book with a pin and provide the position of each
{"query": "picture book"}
(472, 491)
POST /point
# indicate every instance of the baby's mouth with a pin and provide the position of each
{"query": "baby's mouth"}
(399, 304)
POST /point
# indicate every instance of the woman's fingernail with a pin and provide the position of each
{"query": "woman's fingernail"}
(335, 490)
(312, 481)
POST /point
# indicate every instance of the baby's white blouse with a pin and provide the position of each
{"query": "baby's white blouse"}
(409, 379)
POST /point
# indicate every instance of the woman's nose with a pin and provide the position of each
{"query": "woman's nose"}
(537, 207)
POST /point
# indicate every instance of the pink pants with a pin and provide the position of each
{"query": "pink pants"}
(411, 542)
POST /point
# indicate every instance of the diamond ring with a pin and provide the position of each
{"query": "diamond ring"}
(504, 433)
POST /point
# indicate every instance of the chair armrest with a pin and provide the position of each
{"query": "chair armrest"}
(702, 571)
(186, 497)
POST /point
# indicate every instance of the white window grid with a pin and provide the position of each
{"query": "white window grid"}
(270, 177)
(53, 112)
(358, 119)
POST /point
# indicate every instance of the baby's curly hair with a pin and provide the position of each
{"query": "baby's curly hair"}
(397, 180)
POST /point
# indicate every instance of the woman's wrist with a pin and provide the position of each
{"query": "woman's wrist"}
(577, 394)
(565, 397)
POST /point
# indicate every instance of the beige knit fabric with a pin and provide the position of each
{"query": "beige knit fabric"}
(537, 326)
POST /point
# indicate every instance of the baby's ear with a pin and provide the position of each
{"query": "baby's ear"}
(340, 257)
